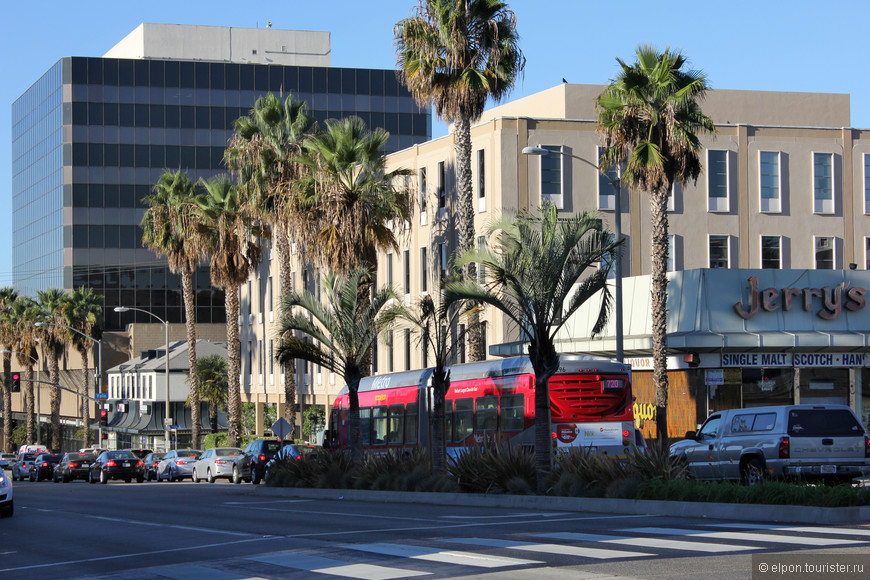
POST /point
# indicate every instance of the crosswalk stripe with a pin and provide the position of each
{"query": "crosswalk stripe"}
(334, 567)
(559, 549)
(748, 536)
(434, 555)
(194, 572)
(637, 542)
(800, 529)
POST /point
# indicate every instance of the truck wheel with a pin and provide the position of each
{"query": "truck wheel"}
(752, 472)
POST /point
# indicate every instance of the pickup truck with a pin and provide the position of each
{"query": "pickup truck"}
(802, 441)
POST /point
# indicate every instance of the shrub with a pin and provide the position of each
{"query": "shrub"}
(768, 492)
(490, 469)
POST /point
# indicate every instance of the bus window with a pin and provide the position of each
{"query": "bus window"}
(512, 415)
(397, 424)
(448, 422)
(486, 417)
(411, 423)
(463, 418)
(379, 425)
(365, 425)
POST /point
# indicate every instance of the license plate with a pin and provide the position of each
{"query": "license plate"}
(829, 469)
(126, 464)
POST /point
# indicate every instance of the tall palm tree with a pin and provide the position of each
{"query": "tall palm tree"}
(214, 387)
(25, 312)
(341, 331)
(84, 312)
(170, 229)
(261, 154)
(650, 115)
(8, 296)
(54, 338)
(538, 275)
(456, 54)
(235, 254)
(351, 201)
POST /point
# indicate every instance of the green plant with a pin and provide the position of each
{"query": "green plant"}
(768, 492)
(490, 469)
(313, 420)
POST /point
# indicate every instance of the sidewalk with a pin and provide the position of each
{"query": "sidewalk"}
(725, 511)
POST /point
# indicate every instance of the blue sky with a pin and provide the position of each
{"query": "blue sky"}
(771, 45)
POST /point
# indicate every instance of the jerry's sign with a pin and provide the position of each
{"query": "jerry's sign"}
(830, 300)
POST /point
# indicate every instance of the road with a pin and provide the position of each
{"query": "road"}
(223, 531)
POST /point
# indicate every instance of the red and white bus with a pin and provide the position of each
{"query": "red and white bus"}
(492, 402)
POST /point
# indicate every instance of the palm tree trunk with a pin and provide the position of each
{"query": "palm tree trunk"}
(440, 386)
(356, 452)
(466, 213)
(213, 417)
(85, 404)
(285, 275)
(234, 361)
(7, 402)
(54, 377)
(658, 206)
(28, 403)
(190, 315)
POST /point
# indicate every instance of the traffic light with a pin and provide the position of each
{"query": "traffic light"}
(16, 382)
(104, 436)
(104, 418)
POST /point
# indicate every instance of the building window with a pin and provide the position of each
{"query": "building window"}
(442, 184)
(424, 270)
(271, 357)
(443, 258)
(867, 253)
(606, 190)
(823, 182)
(824, 252)
(481, 269)
(250, 294)
(422, 180)
(769, 181)
(717, 180)
(771, 252)
(270, 297)
(670, 264)
(481, 180)
(407, 341)
(483, 343)
(551, 175)
(406, 271)
(389, 270)
(867, 183)
(719, 251)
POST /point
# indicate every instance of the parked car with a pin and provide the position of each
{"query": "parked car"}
(43, 466)
(252, 467)
(116, 465)
(73, 465)
(6, 460)
(21, 466)
(140, 453)
(816, 441)
(291, 452)
(7, 506)
(151, 461)
(177, 464)
(216, 463)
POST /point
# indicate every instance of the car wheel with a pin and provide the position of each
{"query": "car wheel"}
(237, 476)
(128, 480)
(103, 478)
(172, 477)
(65, 478)
(255, 477)
(91, 477)
(140, 478)
(752, 472)
(209, 476)
(193, 477)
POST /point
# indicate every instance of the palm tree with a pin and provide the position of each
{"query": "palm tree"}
(84, 312)
(349, 199)
(261, 154)
(8, 296)
(650, 115)
(456, 54)
(170, 229)
(54, 338)
(538, 276)
(23, 315)
(214, 387)
(235, 254)
(341, 331)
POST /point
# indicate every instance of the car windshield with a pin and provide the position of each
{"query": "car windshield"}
(28, 457)
(120, 455)
(823, 423)
(227, 452)
(271, 445)
(188, 452)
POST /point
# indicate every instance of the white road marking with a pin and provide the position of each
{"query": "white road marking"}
(559, 549)
(799, 529)
(746, 536)
(334, 567)
(649, 542)
(540, 515)
(434, 555)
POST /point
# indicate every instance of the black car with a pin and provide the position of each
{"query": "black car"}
(140, 453)
(43, 466)
(116, 465)
(72, 466)
(253, 464)
(151, 460)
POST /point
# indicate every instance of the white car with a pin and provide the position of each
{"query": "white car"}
(215, 463)
(177, 464)
(6, 506)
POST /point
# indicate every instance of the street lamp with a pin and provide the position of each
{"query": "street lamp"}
(617, 211)
(167, 420)
(38, 418)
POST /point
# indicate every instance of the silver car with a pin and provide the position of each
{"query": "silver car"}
(216, 463)
(177, 464)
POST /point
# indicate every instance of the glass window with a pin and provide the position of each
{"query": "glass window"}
(365, 425)
(481, 174)
(411, 423)
(486, 417)
(397, 424)
(481, 269)
(670, 264)
(512, 413)
(463, 417)
(771, 257)
(719, 254)
(867, 258)
(379, 425)
(823, 423)
(389, 265)
(606, 188)
(443, 264)
(824, 252)
(442, 184)
(551, 174)
(867, 183)
(717, 180)
(448, 421)
(424, 270)
(389, 351)
(769, 172)
(823, 182)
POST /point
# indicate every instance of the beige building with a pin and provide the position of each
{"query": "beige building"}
(785, 185)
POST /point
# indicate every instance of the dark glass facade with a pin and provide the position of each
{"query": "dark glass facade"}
(93, 135)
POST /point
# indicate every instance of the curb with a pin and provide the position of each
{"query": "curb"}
(726, 511)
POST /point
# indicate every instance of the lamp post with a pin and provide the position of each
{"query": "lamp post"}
(99, 372)
(38, 418)
(167, 420)
(617, 211)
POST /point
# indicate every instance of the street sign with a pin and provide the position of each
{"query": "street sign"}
(281, 428)
(175, 427)
(101, 396)
(167, 421)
